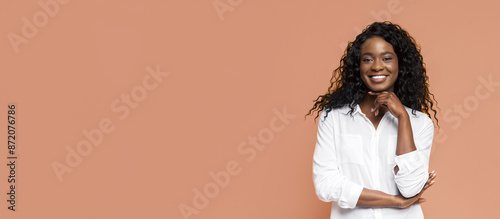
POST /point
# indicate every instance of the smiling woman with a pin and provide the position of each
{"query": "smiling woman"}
(372, 153)
(379, 64)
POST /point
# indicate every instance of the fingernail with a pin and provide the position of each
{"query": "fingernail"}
(432, 182)
(433, 171)
(372, 109)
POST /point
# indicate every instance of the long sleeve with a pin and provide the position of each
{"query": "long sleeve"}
(329, 183)
(414, 166)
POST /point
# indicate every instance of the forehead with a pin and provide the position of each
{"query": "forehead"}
(376, 45)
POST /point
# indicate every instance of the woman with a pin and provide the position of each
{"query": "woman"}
(375, 132)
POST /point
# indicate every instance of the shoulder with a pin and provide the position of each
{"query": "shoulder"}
(419, 119)
(343, 109)
(335, 112)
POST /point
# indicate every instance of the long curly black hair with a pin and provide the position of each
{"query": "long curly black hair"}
(411, 86)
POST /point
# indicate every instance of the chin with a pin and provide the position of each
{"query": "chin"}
(378, 89)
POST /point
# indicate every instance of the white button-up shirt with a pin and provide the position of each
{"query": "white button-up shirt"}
(351, 154)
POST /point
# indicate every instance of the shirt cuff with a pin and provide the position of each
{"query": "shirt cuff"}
(350, 195)
(408, 162)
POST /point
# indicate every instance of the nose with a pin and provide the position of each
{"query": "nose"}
(377, 65)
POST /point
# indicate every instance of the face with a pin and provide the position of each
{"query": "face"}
(379, 64)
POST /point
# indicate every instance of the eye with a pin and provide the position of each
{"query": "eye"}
(367, 60)
(387, 58)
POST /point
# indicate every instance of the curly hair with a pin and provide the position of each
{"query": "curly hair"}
(411, 86)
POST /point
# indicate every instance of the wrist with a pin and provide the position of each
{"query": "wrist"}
(403, 116)
(396, 201)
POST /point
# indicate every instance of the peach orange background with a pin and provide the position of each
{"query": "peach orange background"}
(231, 71)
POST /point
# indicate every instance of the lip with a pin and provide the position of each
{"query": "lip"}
(378, 80)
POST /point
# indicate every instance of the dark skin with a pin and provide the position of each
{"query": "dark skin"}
(379, 71)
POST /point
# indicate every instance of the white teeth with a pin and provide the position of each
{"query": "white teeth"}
(379, 76)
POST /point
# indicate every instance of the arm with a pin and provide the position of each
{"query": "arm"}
(412, 155)
(405, 135)
(331, 185)
(373, 198)
(405, 143)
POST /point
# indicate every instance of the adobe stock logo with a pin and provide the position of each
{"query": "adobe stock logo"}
(222, 7)
(470, 103)
(248, 148)
(122, 107)
(39, 19)
(393, 7)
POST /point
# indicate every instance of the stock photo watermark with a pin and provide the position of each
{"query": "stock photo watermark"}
(12, 155)
(393, 7)
(221, 7)
(121, 106)
(248, 148)
(31, 26)
(463, 110)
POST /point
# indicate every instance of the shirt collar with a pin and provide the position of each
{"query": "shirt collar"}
(345, 109)
(357, 109)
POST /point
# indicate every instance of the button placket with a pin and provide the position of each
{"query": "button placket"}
(373, 152)
(375, 157)
(376, 163)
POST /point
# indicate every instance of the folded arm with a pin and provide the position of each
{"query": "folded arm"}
(331, 185)
(412, 156)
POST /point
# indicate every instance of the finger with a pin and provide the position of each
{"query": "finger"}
(430, 181)
(428, 184)
(373, 109)
(432, 177)
(382, 103)
(377, 104)
(377, 92)
(422, 200)
(374, 93)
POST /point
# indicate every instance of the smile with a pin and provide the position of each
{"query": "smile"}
(378, 78)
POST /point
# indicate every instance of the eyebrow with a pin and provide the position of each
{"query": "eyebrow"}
(371, 54)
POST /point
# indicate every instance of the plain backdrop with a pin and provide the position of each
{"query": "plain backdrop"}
(200, 104)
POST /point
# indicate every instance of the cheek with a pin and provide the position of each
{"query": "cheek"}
(393, 68)
(363, 68)
(396, 74)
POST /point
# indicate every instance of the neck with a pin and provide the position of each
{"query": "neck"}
(368, 102)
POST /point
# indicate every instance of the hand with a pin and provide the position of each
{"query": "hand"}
(389, 101)
(407, 202)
